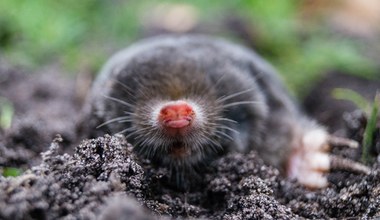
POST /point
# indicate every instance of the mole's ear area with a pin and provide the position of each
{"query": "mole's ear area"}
(310, 158)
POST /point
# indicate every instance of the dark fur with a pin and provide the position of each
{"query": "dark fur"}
(205, 70)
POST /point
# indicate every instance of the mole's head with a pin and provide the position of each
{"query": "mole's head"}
(180, 131)
(169, 109)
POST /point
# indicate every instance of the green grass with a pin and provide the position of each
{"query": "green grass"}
(372, 112)
(6, 113)
(82, 34)
(11, 172)
(369, 132)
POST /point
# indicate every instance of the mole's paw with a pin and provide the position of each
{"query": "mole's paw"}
(310, 158)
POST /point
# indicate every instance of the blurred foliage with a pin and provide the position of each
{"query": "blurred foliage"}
(368, 144)
(303, 51)
(82, 34)
(6, 113)
(72, 32)
(371, 111)
(11, 172)
(351, 95)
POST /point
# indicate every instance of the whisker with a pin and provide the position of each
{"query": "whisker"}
(137, 131)
(216, 84)
(225, 98)
(118, 119)
(224, 127)
(126, 120)
(225, 135)
(226, 119)
(131, 113)
(145, 149)
(205, 91)
(229, 129)
(126, 88)
(214, 142)
(132, 120)
(119, 101)
(151, 151)
(141, 130)
(131, 134)
(241, 103)
(146, 142)
(125, 130)
(142, 89)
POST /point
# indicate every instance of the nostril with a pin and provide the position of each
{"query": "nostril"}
(176, 115)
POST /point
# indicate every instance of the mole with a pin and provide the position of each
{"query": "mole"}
(183, 101)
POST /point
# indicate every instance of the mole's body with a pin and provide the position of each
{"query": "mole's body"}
(182, 101)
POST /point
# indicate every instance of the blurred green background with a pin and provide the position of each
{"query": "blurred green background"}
(300, 38)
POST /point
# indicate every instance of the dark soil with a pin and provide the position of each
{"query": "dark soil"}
(102, 178)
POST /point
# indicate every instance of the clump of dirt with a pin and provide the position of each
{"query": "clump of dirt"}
(105, 169)
(102, 177)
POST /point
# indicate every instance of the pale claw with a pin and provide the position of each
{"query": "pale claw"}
(310, 159)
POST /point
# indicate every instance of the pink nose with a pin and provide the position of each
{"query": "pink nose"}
(176, 115)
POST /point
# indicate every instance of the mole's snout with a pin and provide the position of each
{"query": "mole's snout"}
(178, 114)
